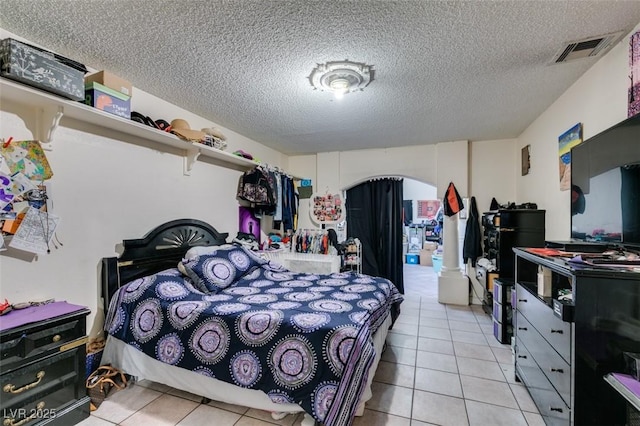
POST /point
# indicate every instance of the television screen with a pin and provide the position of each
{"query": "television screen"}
(605, 186)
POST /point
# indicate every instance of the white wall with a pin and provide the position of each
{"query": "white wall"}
(418, 162)
(348, 168)
(598, 100)
(108, 187)
(492, 174)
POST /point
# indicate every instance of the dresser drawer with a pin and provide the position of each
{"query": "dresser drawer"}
(555, 369)
(551, 407)
(527, 369)
(540, 315)
(48, 408)
(15, 349)
(39, 378)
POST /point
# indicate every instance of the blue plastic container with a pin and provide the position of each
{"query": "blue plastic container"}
(412, 259)
(437, 262)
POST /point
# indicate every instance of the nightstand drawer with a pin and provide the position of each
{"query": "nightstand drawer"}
(42, 366)
(44, 408)
(37, 379)
(39, 340)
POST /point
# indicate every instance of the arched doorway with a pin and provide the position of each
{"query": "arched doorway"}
(377, 216)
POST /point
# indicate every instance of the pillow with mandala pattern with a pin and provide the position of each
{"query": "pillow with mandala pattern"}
(219, 267)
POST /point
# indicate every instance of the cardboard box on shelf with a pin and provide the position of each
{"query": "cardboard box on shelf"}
(425, 258)
(108, 100)
(111, 81)
(430, 245)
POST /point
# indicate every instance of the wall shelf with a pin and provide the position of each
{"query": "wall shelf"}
(48, 109)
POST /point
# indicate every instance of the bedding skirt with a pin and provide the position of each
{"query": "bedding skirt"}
(138, 364)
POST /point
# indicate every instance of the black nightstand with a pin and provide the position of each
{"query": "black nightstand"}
(43, 365)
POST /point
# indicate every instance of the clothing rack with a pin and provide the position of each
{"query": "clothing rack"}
(277, 169)
(313, 240)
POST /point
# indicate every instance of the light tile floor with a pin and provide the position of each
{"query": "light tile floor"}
(442, 366)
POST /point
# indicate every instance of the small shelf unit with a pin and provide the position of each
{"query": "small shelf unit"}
(353, 257)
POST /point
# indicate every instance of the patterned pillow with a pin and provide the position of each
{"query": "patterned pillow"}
(219, 268)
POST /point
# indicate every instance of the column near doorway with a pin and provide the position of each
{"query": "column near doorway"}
(453, 285)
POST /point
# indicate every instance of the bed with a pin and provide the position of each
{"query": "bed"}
(187, 309)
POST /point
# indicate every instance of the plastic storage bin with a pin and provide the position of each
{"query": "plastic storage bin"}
(437, 262)
(412, 259)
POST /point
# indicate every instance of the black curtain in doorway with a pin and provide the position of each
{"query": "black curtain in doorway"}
(374, 216)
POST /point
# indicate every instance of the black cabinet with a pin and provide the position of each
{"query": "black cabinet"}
(565, 348)
(505, 229)
(42, 371)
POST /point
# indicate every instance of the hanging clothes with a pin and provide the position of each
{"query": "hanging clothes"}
(472, 248)
(311, 241)
(255, 188)
(452, 200)
(277, 216)
(296, 203)
(289, 206)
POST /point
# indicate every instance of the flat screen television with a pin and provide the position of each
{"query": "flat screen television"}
(605, 186)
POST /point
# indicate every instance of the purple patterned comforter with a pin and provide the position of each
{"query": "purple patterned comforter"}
(300, 338)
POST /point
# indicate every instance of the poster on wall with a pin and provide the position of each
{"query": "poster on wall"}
(634, 74)
(428, 209)
(566, 141)
(326, 208)
(249, 224)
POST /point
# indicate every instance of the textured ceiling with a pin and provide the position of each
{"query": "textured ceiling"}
(444, 70)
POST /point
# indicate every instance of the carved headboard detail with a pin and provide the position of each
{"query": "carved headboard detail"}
(161, 248)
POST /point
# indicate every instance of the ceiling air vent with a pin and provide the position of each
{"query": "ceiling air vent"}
(587, 48)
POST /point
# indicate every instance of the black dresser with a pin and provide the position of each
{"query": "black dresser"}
(564, 349)
(43, 365)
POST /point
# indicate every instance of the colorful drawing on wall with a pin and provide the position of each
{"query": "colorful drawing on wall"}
(28, 158)
(428, 209)
(326, 208)
(566, 141)
(634, 74)
(249, 224)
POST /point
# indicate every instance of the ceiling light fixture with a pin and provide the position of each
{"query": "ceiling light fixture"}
(341, 77)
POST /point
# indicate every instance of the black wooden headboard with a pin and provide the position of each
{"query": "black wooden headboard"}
(162, 248)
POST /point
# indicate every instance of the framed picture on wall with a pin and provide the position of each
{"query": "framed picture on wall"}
(525, 161)
(326, 208)
(566, 141)
(428, 209)
(634, 74)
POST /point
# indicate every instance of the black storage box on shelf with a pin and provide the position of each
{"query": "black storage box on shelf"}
(42, 69)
